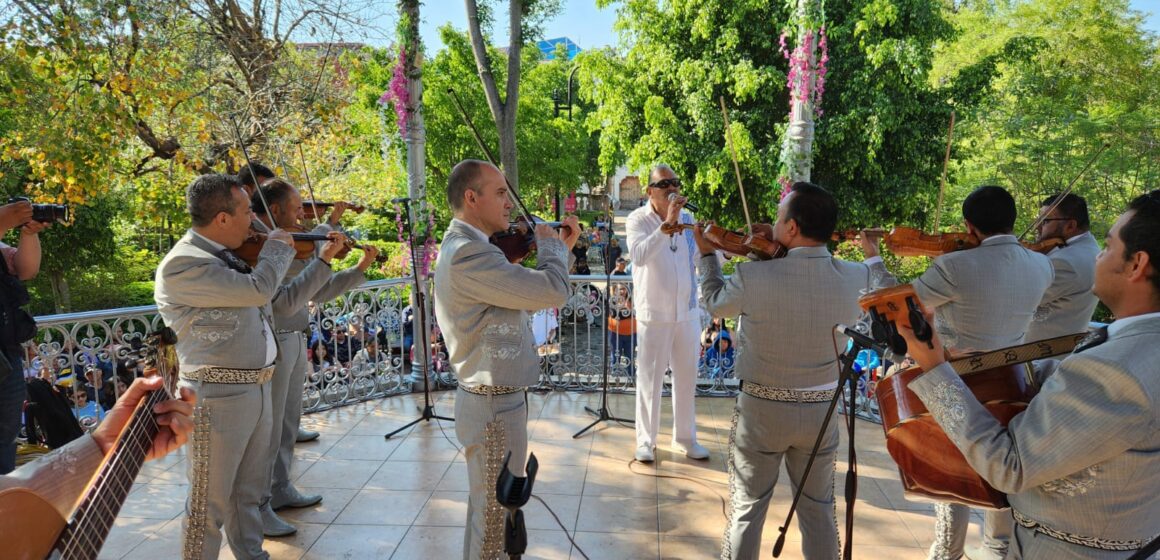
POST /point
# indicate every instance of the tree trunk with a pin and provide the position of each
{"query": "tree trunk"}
(503, 112)
(60, 291)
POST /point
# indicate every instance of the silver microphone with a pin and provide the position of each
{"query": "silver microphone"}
(688, 204)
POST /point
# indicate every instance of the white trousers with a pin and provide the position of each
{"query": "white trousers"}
(660, 347)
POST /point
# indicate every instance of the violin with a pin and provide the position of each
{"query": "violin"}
(252, 246)
(910, 242)
(304, 245)
(756, 247)
(519, 239)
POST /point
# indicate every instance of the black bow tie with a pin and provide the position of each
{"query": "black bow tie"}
(234, 262)
(1093, 339)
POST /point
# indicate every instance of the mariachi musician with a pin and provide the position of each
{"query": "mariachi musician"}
(1068, 304)
(983, 299)
(1082, 464)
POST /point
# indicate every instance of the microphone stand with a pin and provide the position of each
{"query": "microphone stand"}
(427, 413)
(847, 377)
(603, 414)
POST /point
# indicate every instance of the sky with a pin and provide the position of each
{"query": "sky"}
(584, 23)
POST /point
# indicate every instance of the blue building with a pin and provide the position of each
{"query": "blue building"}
(548, 47)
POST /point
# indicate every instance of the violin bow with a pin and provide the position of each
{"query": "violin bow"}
(250, 165)
(736, 168)
(942, 185)
(490, 157)
(1059, 198)
(309, 186)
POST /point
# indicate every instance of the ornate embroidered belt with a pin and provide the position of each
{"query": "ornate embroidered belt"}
(1090, 542)
(785, 395)
(229, 375)
(491, 390)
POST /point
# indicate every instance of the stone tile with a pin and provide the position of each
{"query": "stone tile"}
(425, 449)
(613, 478)
(156, 501)
(365, 448)
(455, 479)
(562, 428)
(127, 533)
(383, 507)
(691, 518)
(616, 545)
(338, 473)
(560, 480)
(556, 453)
(689, 548)
(292, 547)
(164, 543)
(548, 545)
(567, 508)
(334, 500)
(424, 543)
(357, 541)
(609, 514)
(444, 509)
(408, 475)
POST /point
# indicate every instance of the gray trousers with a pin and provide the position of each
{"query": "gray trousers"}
(763, 433)
(286, 410)
(227, 469)
(489, 427)
(950, 531)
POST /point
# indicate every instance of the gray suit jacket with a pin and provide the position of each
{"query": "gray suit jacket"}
(1068, 303)
(482, 303)
(220, 315)
(984, 298)
(1084, 458)
(788, 307)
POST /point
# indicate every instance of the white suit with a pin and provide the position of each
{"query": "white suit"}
(668, 323)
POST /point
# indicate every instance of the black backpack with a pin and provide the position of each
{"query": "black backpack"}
(48, 415)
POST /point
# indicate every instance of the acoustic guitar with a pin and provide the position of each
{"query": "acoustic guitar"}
(33, 529)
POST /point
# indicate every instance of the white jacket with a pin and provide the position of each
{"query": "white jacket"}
(663, 268)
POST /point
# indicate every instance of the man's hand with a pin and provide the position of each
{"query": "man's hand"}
(15, 215)
(173, 418)
(928, 356)
(281, 235)
(34, 227)
(869, 242)
(674, 214)
(368, 257)
(574, 223)
(764, 231)
(333, 246)
(336, 212)
(703, 245)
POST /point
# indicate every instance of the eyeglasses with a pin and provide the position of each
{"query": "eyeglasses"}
(666, 183)
(1044, 221)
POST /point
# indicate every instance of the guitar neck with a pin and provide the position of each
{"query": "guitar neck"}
(86, 532)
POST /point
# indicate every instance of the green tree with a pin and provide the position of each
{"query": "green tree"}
(1058, 79)
(876, 144)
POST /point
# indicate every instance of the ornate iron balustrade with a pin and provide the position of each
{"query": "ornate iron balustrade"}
(108, 345)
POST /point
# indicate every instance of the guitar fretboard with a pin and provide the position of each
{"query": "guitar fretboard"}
(85, 533)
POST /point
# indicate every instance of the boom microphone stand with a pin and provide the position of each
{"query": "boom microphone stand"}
(428, 411)
(848, 377)
(603, 414)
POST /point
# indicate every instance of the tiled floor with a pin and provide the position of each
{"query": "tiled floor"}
(405, 498)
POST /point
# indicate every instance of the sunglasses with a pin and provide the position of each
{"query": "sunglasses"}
(666, 183)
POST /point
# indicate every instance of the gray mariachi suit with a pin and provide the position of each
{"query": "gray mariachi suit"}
(482, 303)
(1081, 466)
(305, 281)
(788, 308)
(223, 320)
(983, 299)
(1068, 303)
